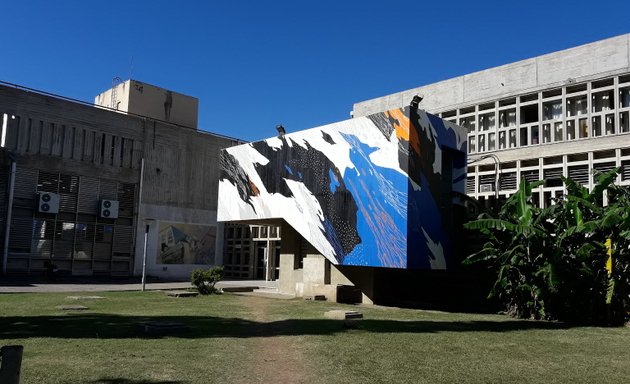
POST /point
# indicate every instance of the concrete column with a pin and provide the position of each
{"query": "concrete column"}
(289, 248)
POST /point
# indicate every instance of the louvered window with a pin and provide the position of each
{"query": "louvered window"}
(470, 185)
(508, 181)
(531, 175)
(553, 177)
(579, 174)
(602, 168)
(625, 170)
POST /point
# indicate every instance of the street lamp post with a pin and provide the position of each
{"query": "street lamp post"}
(147, 223)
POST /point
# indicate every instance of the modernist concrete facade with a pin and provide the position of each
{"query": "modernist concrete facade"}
(155, 167)
(564, 113)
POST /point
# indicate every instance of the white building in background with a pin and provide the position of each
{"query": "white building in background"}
(564, 113)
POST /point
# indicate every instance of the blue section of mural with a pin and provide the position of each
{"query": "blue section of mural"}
(425, 229)
(382, 214)
(334, 183)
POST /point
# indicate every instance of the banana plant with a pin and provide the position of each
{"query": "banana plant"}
(551, 262)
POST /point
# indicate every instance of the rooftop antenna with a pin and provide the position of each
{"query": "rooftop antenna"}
(131, 68)
(115, 82)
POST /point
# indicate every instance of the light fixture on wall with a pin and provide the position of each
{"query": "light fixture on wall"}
(415, 101)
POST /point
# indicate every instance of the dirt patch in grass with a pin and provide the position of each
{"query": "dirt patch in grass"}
(276, 359)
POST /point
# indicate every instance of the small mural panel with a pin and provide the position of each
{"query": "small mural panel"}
(370, 191)
(186, 244)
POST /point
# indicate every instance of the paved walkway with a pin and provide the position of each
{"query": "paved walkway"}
(21, 285)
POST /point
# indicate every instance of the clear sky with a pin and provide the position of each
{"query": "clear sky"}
(255, 64)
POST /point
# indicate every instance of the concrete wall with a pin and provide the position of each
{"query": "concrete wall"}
(180, 173)
(317, 276)
(583, 63)
(148, 100)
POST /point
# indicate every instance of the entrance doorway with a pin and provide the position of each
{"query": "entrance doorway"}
(267, 260)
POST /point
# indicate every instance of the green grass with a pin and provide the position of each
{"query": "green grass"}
(228, 334)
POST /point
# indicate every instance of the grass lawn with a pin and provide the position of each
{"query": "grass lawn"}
(239, 339)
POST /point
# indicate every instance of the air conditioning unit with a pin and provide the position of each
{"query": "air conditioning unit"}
(47, 202)
(109, 209)
(486, 188)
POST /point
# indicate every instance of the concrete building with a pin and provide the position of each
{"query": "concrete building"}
(79, 183)
(353, 197)
(564, 113)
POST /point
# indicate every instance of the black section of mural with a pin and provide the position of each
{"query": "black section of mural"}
(327, 138)
(384, 122)
(422, 163)
(231, 171)
(320, 176)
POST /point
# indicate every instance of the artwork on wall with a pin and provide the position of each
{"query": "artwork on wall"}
(186, 244)
(370, 191)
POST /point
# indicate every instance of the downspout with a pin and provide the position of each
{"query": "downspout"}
(7, 229)
(140, 199)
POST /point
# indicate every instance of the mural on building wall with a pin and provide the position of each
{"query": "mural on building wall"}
(186, 244)
(367, 191)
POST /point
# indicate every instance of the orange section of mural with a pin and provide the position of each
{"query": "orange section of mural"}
(401, 124)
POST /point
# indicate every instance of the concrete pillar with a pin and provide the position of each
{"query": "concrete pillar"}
(361, 277)
(289, 248)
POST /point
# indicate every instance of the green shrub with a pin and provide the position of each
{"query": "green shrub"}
(205, 280)
(569, 261)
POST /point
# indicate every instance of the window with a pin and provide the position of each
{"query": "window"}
(468, 122)
(583, 128)
(486, 121)
(524, 137)
(577, 106)
(602, 101)
(552, 110)
(502, 140)
(546, 133)
(597, 126)
(535, 135)
(507, 118)
(624, 98)
(529, 114)
(512, 138)
(571, 130)
(557, 132)
(482, 143)
(610, 125)
(624, 123)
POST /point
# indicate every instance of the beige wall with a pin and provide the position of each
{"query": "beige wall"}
(148, 100)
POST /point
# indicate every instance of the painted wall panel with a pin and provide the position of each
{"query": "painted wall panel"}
(369, 191)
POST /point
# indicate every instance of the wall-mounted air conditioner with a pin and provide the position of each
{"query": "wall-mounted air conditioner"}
(47, 202)
(486, 188)
(109, 209)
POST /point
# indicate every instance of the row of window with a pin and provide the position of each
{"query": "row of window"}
(547, 116)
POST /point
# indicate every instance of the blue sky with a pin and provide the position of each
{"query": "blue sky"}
(255, 64)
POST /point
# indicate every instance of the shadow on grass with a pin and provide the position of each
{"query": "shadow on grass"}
(109, 326)
(109, 380)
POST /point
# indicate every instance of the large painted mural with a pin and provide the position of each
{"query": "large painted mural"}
(370, 191)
